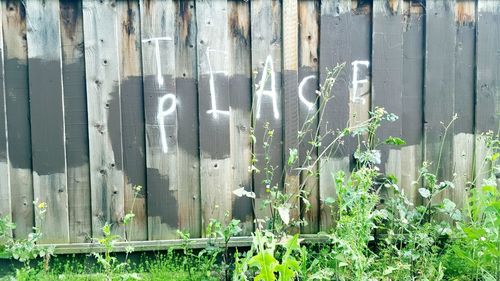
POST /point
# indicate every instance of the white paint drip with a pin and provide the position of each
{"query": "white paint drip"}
(214, 111)
(356, 82)
(309, 104)
(160, 117)
(156, 40)
(268, 70)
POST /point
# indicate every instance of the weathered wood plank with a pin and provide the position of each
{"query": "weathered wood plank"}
(335, 48)
(309, 12)
(439, 104)
(134, 157)
(413, 88)
(463, 140)
(5, 194)
(188, 155)
(75, 121)
(160, 107)
(266, 37)
(240, 89)
(18, 116)
(100, 28)
(488, 82)
(291, 103)
(47, 118)
(214, 115)
(387, 77)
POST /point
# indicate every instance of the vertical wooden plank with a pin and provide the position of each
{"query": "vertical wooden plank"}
(335, 48)
(75, 121)
(487, 109)
(309, 12)
(213, 93)
(5, 203)
(240, 89)
(188, 154)
(291, 101)
(387, 69)
(267, 97)
(361, 51)
(160, 107)
(134, 159)
(413, 88)
(463, 140)
(18, 115)
(47, 118)
(439, 105)
(100, 28)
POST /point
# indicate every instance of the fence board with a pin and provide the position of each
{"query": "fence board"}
(439, 86)
(47, 118)
(266, 40)
(412, 114)
(335, 48)
(75, 121)
(188, 157)
(488, 82)
(160, 106)
(309, 13)
(463, 140)
(18, 116)
(387, 69)
(291, 103)
(240, 89)
(214, 112)
(5, 194)
(100, 27)
(132, 113)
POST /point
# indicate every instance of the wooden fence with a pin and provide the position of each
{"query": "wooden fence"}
(97, 97)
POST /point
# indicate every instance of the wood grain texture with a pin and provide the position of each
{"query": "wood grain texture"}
(413, 91)
(102, 68)
(75, 121)
(5, 194)
(266, 37)
(18, 116)
(47, 119)
(387, 77)
(160, 107)
(463, 140)
(291, 104)
(240, 89)
(488, 83)
(335, 49)
(308, 77)
(439, 97)
(213, 110)
(132, 114)
(188, 156)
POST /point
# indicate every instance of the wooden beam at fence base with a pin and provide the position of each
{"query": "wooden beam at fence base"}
(160, 245)
(47, 120)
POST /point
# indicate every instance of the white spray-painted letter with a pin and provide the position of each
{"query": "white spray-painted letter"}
(214, 111)
(160, 117)
(309, 104)
(356, 98)
(156, 41)
(266, 72)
